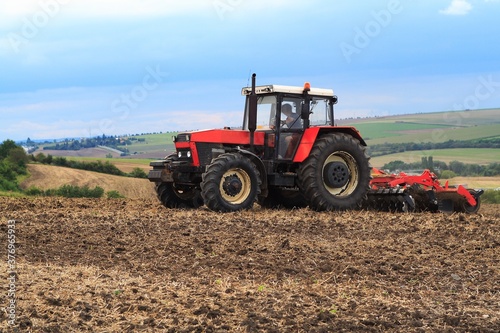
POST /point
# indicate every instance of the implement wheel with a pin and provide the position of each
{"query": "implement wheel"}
(467, 208)
(336, 175)
(230, 183)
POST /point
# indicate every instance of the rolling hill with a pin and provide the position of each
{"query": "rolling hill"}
(428, 127)
(465, 155)
(48, 176)
(434, 127)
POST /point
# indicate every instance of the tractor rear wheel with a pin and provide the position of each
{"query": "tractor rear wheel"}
(171, 197)
(336, 175)
(230, 183)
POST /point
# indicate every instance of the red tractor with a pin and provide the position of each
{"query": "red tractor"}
(288, 153)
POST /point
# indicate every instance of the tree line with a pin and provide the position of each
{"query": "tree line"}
(393, 148)
(445, 170)
(108, 141)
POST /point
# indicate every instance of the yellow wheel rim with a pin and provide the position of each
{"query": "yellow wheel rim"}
(235, 186)
(350, 162)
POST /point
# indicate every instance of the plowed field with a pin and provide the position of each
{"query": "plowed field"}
(111, 265)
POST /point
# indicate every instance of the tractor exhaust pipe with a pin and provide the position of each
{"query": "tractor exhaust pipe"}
(252, 113)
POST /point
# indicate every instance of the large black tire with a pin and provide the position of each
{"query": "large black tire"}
(230, 183)
(278, 198)
(170, 197)
(467, 208)
(336, 175)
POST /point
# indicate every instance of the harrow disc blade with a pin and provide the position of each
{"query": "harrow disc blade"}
(390, 200)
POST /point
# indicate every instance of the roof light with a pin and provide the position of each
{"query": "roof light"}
(307, 86)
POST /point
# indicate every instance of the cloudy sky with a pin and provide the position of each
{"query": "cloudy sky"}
(79, 68)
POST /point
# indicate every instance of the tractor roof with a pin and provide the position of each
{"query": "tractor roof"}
(273, 88)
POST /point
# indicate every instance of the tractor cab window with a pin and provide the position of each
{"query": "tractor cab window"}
(266, 113)
(291, 126)
(319, 111)
(290, 114)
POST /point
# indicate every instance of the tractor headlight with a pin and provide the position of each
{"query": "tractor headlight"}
(186, 153)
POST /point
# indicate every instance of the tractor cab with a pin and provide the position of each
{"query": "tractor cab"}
(285, 112)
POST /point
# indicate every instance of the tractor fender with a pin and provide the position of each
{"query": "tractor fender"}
(260, 166)
(311, 135)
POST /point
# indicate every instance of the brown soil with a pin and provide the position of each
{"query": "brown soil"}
(107, 265)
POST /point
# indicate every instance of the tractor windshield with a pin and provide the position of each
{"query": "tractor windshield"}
(320, 114)
(320, 111)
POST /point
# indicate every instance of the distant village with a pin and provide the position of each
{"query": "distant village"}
(117, 142)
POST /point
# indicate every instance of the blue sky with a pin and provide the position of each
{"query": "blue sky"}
(79, 68)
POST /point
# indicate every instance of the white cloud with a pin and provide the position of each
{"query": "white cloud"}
(134, 8)
(57, 129)
(16, 8)
(15, 13)
(457, 7)
(103, 8)
(187, 120)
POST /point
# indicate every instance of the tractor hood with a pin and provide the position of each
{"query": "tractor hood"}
(222, 136)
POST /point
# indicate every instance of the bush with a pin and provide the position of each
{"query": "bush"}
(491, 196)
(60, 161)
(71, 191)
(138, 173)
(114, 195)
(447, 174)
(17, 156)
(34, 191)
(40, 157)
(48, 159)
(6, 147)
(13, 161)
(51, 192)
(7, 185)
(6, 172)
(68, 191)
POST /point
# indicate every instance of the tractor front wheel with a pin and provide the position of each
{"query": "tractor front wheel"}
(172, 197)
(336, 175)
(230, 183)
